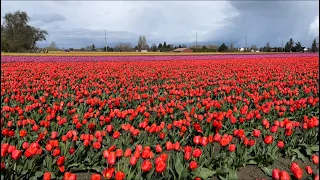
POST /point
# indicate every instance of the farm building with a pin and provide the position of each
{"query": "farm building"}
(182, 50)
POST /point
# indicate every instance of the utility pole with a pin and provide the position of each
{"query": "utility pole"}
(197, 39)
(245, 42)
(105, 39)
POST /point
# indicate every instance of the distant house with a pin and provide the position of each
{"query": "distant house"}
(182, 50)
(241, 49)
(144, 50)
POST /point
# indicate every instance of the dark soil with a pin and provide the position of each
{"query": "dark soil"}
(250, 172)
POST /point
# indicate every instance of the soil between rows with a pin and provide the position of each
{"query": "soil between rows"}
(250, 172)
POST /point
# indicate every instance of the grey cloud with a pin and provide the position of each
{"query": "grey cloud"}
(271, 21)
(78, 38)
(48, 18)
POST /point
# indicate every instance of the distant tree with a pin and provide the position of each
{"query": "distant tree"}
(17, 35)
(261, 49)
(109, 49)
(160, 46)
(123, 47)
(52, 46)
(154, 47)
(231, 48)
(93, 47)
(180, 46)
(164, 45)
(267, 47)
(254, 47)
(223, 48)
(142, 43)
(314, 46)
(204, 47)
(297, 47)
(291, 43)
(287, 47)
(280, 49)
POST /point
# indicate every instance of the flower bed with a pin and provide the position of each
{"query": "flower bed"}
(146, 118)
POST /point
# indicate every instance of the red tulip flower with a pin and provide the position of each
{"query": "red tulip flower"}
(193, 165)
(268, 139)
(146, 166)
(160, 167)
(120, 175)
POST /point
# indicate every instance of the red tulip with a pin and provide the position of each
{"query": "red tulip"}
(196, 139)
(69, 176)
(280, 144)
(54, 135)
(116, 135)
(176, 146)
(112, 158)
(138, 148)
(275, 174)
(95, 177)
(193, 165)
(232, 147)
(16, 154)
(25, 145)
(72, 150)
(309, 169)
(204, 141)
(146, 166)
(256, 133)
(119, 152)
(145, 154)
(315, 159)
(160, 167)
(158, 148)
(293, 166)
(60, 160)
(197, 153)
(47, 176)
(128, 152)
(133, 160)
(224, 141)
(298, 173)
(108, 173)
(284, 175)
(268, 139)
(109, 128)
(23, 133)
(120, 175)
(56, 152)
(168, 146)
(316, 177)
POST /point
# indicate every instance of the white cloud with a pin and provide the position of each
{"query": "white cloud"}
(159, 21)
(314, 27)
(83, 22)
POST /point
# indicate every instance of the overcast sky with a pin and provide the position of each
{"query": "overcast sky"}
(81, 23)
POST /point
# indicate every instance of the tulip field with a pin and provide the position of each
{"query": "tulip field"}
(160, 117)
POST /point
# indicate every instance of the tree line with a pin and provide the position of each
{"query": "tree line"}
(18, 36)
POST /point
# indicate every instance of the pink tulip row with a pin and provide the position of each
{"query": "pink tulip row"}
(147, 58)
